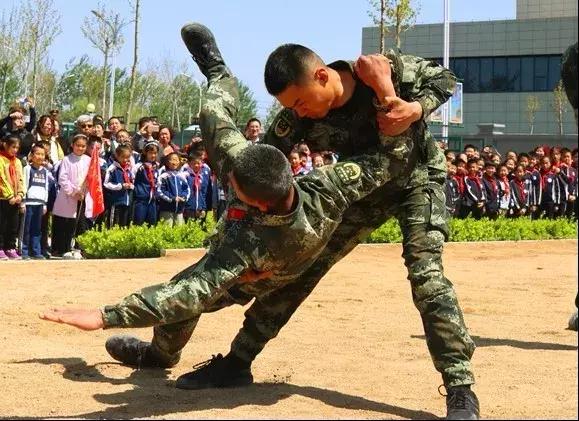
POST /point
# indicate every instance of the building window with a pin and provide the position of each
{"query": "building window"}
(507, 74)
(513, 74)
(527, 72)
(499, 82)
(541, 72)
(554, 72)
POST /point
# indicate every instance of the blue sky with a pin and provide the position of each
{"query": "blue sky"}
(248, 30)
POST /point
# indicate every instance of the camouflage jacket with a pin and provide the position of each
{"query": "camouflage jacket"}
(285, 244)
(352, 129)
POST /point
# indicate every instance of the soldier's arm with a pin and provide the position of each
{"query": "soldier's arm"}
(424, 81)
(285, 131)
(187, 295)
(223, 139)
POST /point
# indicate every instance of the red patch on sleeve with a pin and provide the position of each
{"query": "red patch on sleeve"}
(235, 214)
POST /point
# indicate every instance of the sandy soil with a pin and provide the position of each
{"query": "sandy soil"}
(355, 349)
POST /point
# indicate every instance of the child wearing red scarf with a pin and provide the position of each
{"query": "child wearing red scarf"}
(491, 187)
(296, 163)
(200, 186)
(474, 194)
(504, 185)
(146, 175)
(11, 195)
(550, 188)
(119, 183)
(520, 187)
(568, 182)
(534, 177)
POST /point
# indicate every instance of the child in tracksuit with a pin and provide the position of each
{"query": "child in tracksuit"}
(550, 189)
(520, 188)
(451, 189)
(38, 182)
(474, 194)
(11, 197)
(534, 177)
(491, 187)
(504, 185)
(200, 186)
(172, 191)
(146, 175)
(568, 182)
(119, 184)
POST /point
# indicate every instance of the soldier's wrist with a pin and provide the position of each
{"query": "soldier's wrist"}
(111, 317)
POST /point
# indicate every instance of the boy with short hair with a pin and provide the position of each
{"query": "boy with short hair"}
(491, 190)
(200, 186)
(119, 184)
(38, 182)
(172, 191)
(474, 194)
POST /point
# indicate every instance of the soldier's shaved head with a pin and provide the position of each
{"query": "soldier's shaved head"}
(263, 172)
(287, 65)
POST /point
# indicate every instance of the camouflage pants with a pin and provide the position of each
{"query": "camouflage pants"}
(422, 216)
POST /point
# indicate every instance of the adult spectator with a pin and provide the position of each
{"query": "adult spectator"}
(144, 134)
(166, 135)
(84, 125)
(44, 132)
(114, 125)
(15, 125)
(253, 130)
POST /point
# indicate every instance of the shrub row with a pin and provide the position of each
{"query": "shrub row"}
(142, 241)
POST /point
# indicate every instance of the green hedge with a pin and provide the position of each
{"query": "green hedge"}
(147, 242)
(502, 229)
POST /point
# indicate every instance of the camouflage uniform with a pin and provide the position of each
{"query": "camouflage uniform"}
(417, 202)
(286, 245)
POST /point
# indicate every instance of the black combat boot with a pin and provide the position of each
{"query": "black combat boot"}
(461, 404)
(134, 352)
(203, 48)
(218, 372)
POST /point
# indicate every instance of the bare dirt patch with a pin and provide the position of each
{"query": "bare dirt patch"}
(355, 348)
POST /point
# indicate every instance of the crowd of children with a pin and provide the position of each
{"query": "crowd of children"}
(44, 187)
(37, 193)
(539, 184)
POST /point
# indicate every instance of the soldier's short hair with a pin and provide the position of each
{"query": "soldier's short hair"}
(287, 65)
(263, 172)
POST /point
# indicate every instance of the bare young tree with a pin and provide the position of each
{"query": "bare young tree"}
(401, 15)
(393, 16)
(378, 15)
(533, 105)
(11, 48)
(136, 10)
(559, 104)
(41, 21)
(103, 29)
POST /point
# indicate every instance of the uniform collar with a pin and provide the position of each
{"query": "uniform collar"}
(261, 218)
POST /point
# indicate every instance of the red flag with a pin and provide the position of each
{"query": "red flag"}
(95, 203)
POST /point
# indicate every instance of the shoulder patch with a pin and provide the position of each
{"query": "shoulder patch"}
(348, 172)
(282, 126)
(235, 214)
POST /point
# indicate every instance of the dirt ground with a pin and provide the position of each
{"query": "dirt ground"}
(355, 348)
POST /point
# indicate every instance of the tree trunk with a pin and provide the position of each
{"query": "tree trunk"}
(34, 65)
(105, 74)
(3, 92)
(398, 27)
(382, 10)
(135, 61)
